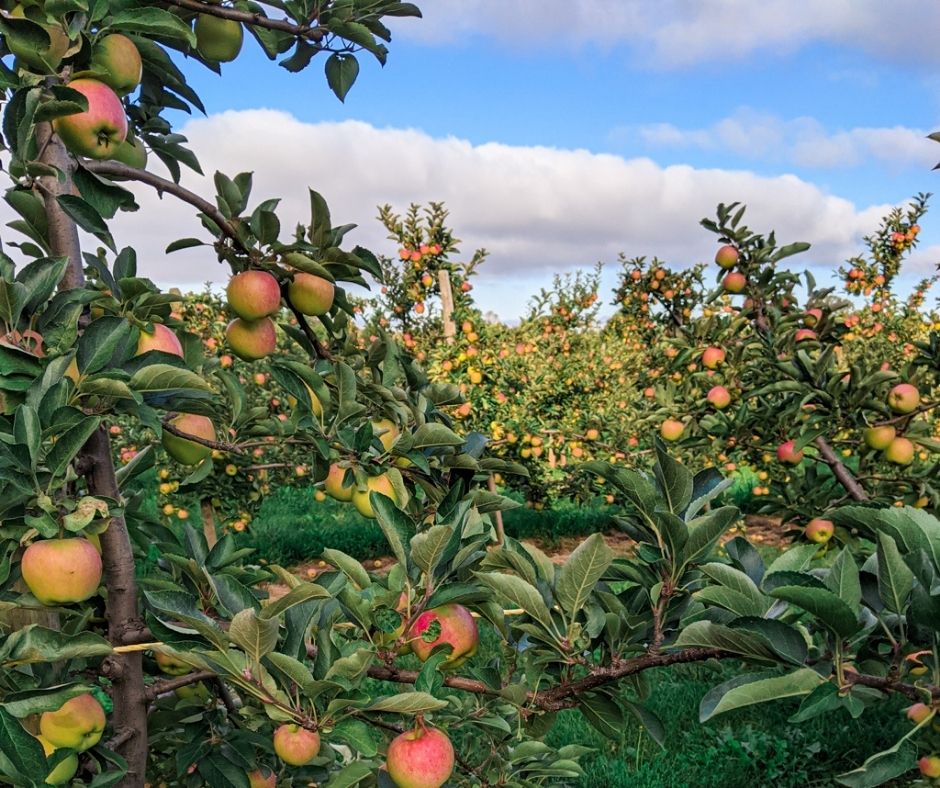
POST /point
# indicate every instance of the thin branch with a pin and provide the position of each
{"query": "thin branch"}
(927, 406)
(887, 684)
(174, 430)
(308, 32)
(843, 474)
(163, 686)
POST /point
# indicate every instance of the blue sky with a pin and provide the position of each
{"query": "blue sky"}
(560, 137)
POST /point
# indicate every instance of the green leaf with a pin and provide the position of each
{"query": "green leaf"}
(757, 688)
(350, 775)
(358, 735)
(86, 216)
(100, 342)
(895, 579)
(708, 634)
(395, 524)
(604, 713)
(165, 377)
(341, 73)
(69, 444)
(580, 573)
(408, 703)
(22, 749)
(674, 479)
(882, 766)
(705, 531)
(27, 431)
(46, 699)
(843, 580)
(296, 596)
(427, 547)
(432, 435)
(255, 635)
(153, 23)
(38, 644)
(520, 594)
(796, 559)
(349, 566)
(822, 603)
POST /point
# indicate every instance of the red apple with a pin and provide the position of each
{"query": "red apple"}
(420, 758)
(162, 338)
(61, 571)
(458, 628)
(186, 451)
(117, 63)
(900, 451)
(727, 257)
(812, 317)
(712, 357)
(819, 530)
(253, 294)
(787, 453)
(262, 778)
(718, 397)
(296, 746)
(804, 335)
(735, 282)
(904, 398)
(919, 712)
(929, 766)
(251, 339)
(99, 130)
(311, 295)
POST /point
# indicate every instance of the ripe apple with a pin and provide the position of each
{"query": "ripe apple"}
(78, 723)
(262, 778)
(296, 746)
(880, 438)
(929, 766)
(312, 295)
(671, 429)
(804, 335)
(458, 628)
(253, 294)
(718, 397)
(727, 257)
(186, 451)
(900, 451)
(117, 63)
(251, 339)
(61, 571)
(787, 453)
(380, 484)
(217, 39)
(735, 282)
(65, 770)
(333, 484)
(819, 530)
(712, 357)
(918, 713)
(170, 664)
(812, 317)
(389, 432)
(162, 339)
(131, 152)
(420, 758)
(99, 130)
(903, 398)
(42, 58)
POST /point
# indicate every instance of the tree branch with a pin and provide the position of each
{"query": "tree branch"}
(308, 32)
(164, 686)
(174, 430)
(843, 474)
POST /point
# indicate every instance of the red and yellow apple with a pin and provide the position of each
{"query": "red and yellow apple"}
(420, 758)
(727, 256)
(788, 454)
(804, 335)
(99, 130)
(311, 294)
(262, 778)
(712, 357)
(671, 429)
(900, 451)
(819, 530)
(61, 571)
(186, 451)
(458, 628)
(879, 438)
(718, 397)
(296, 746)
(929, 766)
(253, 294)
(162, 339)
(735, 282)
(251, 339)
(386, 431)
(919, 712)
(903, 398)
(77, 724)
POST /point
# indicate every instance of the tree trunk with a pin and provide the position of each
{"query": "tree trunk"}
(447, 305)
(129, 718)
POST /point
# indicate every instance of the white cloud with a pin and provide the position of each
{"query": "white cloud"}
(538, 210)
(802, 142)
(680, 33)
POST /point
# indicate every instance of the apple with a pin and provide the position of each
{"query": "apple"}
(217, 39)
(117, 63)
(77, 724)
(199, 691)
(99, 130)
(296, 746)
(712, 357)
(727, 257)
(812, 317)
(253, 294)
(787, 453)
(420, 758)
(718, 397)
(162, 339)
(333, 484)
(735, 282)
(386, 431)
(819, 530)
(671, 429)
(919, 712)
(804, 335)
(904, 398)
(186, 451)
(170, 664)
(251, 339)
(929, 766)
(900, 451)
(41, 58)
(880, 438)
(380, 484)
(458, 628)
(131, 152)
(262, 778)
(310, 294)
(64, 770)
(61, 571)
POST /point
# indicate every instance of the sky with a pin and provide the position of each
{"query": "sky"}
(562, 133)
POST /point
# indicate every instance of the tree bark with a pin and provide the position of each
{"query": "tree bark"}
(849, 483)
(129, 718)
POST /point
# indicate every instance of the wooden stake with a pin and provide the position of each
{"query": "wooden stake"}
(447, 305)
